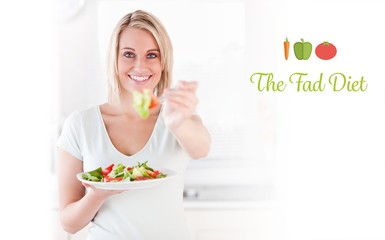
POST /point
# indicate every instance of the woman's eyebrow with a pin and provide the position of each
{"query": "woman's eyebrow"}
(128, 48)
(132, 49)
(152, 50)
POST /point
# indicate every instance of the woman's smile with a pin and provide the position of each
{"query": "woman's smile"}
(140, 80)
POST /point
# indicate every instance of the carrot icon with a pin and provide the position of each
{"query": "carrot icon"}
(286, 45)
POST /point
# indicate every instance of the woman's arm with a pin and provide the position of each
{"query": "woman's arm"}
(77, 209)
(186, 126)
(193, 136)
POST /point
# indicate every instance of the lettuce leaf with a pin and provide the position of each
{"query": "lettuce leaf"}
(142, 102)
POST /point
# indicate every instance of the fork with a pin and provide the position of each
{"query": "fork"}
(162, 98)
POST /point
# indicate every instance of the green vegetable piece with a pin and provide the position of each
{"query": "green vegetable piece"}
(143, 171)
(302, 50)
(161, 175)
(94, 175)
(127, 176)
(89, 177)
(146, 167)
(117, 171)
(142, 102)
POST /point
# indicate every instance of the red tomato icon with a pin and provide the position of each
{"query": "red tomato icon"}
(325, 51)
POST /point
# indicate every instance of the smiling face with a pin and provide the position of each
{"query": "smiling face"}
(138, 61)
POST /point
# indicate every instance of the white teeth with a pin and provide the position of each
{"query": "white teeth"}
(139, 79)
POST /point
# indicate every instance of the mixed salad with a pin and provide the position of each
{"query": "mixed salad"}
(119, 173)
(144, 101)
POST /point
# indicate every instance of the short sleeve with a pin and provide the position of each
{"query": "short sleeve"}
(69, 139)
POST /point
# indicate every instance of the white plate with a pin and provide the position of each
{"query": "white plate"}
(130, 184)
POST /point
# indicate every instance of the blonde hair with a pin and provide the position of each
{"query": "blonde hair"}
(146, 21)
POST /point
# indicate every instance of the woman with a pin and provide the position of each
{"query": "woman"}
(140, 58)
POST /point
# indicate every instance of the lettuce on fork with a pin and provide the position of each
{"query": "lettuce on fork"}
(142, 102)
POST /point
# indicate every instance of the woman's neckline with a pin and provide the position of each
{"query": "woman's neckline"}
(107, 136)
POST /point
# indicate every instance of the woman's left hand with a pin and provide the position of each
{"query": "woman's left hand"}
(180, 104)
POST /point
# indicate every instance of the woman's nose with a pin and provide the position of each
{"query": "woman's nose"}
(139, 63)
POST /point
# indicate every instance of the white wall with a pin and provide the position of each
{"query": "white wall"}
(82, 82)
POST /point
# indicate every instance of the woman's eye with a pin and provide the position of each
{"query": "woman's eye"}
(152, 55)
(129, 54)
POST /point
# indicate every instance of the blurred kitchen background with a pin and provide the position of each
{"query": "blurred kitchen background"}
(230, 194)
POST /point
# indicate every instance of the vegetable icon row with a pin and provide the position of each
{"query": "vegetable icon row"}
(303, 50)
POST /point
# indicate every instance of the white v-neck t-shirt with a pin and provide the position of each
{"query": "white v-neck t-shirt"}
(140, 214)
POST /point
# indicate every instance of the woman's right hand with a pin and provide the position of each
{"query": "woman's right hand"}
(78, 205)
